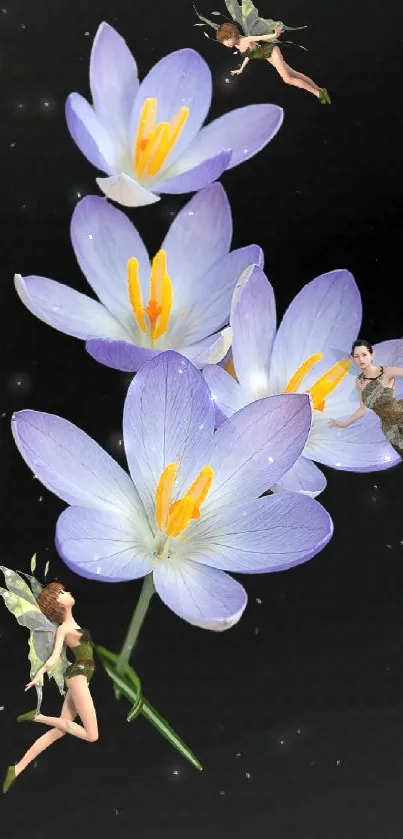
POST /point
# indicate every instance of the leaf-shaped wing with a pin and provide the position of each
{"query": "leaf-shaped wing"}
(20, 601)
(17, 586)
(35, 585)
(250, 15)
(395, 358)
(234, 10)
(264, 26)
(206, 20)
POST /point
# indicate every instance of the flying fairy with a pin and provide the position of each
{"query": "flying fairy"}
(255, 37)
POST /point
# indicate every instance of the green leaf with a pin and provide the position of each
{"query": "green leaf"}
(112, 659)
(33, 564)
(46, 569)
(128, 685)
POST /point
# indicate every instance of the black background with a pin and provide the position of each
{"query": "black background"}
(296, 713)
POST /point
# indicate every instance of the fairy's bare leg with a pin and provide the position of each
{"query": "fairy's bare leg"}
(68, 713)
(289, 76)
(81, 696)
(304, 78)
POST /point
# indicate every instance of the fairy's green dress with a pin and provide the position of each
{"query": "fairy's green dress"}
(262, 51)
(383, 402)
(84, 664)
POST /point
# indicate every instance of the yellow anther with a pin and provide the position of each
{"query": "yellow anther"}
(145, 127)
(179, 517)
(328, 382)
(165, 308)
(325, 385)
(200, 488)
(135, 292)
(174, 518)
(163, 494)
(154, 140)
(158, 309)
(302, 371)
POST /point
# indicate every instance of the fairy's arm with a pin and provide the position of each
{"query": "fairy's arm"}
(393, 372)
(358, 414)
(254, 38)
(241, 68)
(57, 649)
(53, 658)
(271, 36)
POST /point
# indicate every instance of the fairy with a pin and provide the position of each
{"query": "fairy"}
(47, 612)
(376, 388)
(258, 38)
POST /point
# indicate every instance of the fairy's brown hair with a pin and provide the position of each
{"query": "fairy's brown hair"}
(227, 30)
(47, 602)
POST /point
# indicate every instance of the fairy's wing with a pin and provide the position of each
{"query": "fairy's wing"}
(20, 601)
(249, 16)
(395, 357)
(205, 20)
(392, 356)
(235, 10)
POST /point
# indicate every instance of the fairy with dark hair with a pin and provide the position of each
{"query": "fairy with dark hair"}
(258, 38)
(47, 613)
(376, 388)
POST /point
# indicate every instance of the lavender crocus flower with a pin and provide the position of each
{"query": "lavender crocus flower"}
(148, 138)
(190, 510)
(180, 301)
(310, 352)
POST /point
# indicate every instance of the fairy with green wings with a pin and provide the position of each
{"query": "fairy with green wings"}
(46, 611)
(255, 37)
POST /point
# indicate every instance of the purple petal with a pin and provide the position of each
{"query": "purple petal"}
(244, 131)
(181, 79)
(359, 448)
(201, 596)
(114, 82)
(325, 315)
(303, 477)
(270, 534)
(168, 418)
(101, 545)
(89, 135)
(199, 236)
(67, 310)
(72, 465)
(196, 177)
(225, 391)
(120, 355)
(256, 446)
(254, 325)
(104, 240)
(126, 191)
(210, 351)
(206, 303)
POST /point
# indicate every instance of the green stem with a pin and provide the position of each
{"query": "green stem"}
(136, 622)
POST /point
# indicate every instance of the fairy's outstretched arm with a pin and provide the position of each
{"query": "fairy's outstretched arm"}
(241, 68)
(394, 372)
(273, 36)
(358, 414)
(52, 660)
